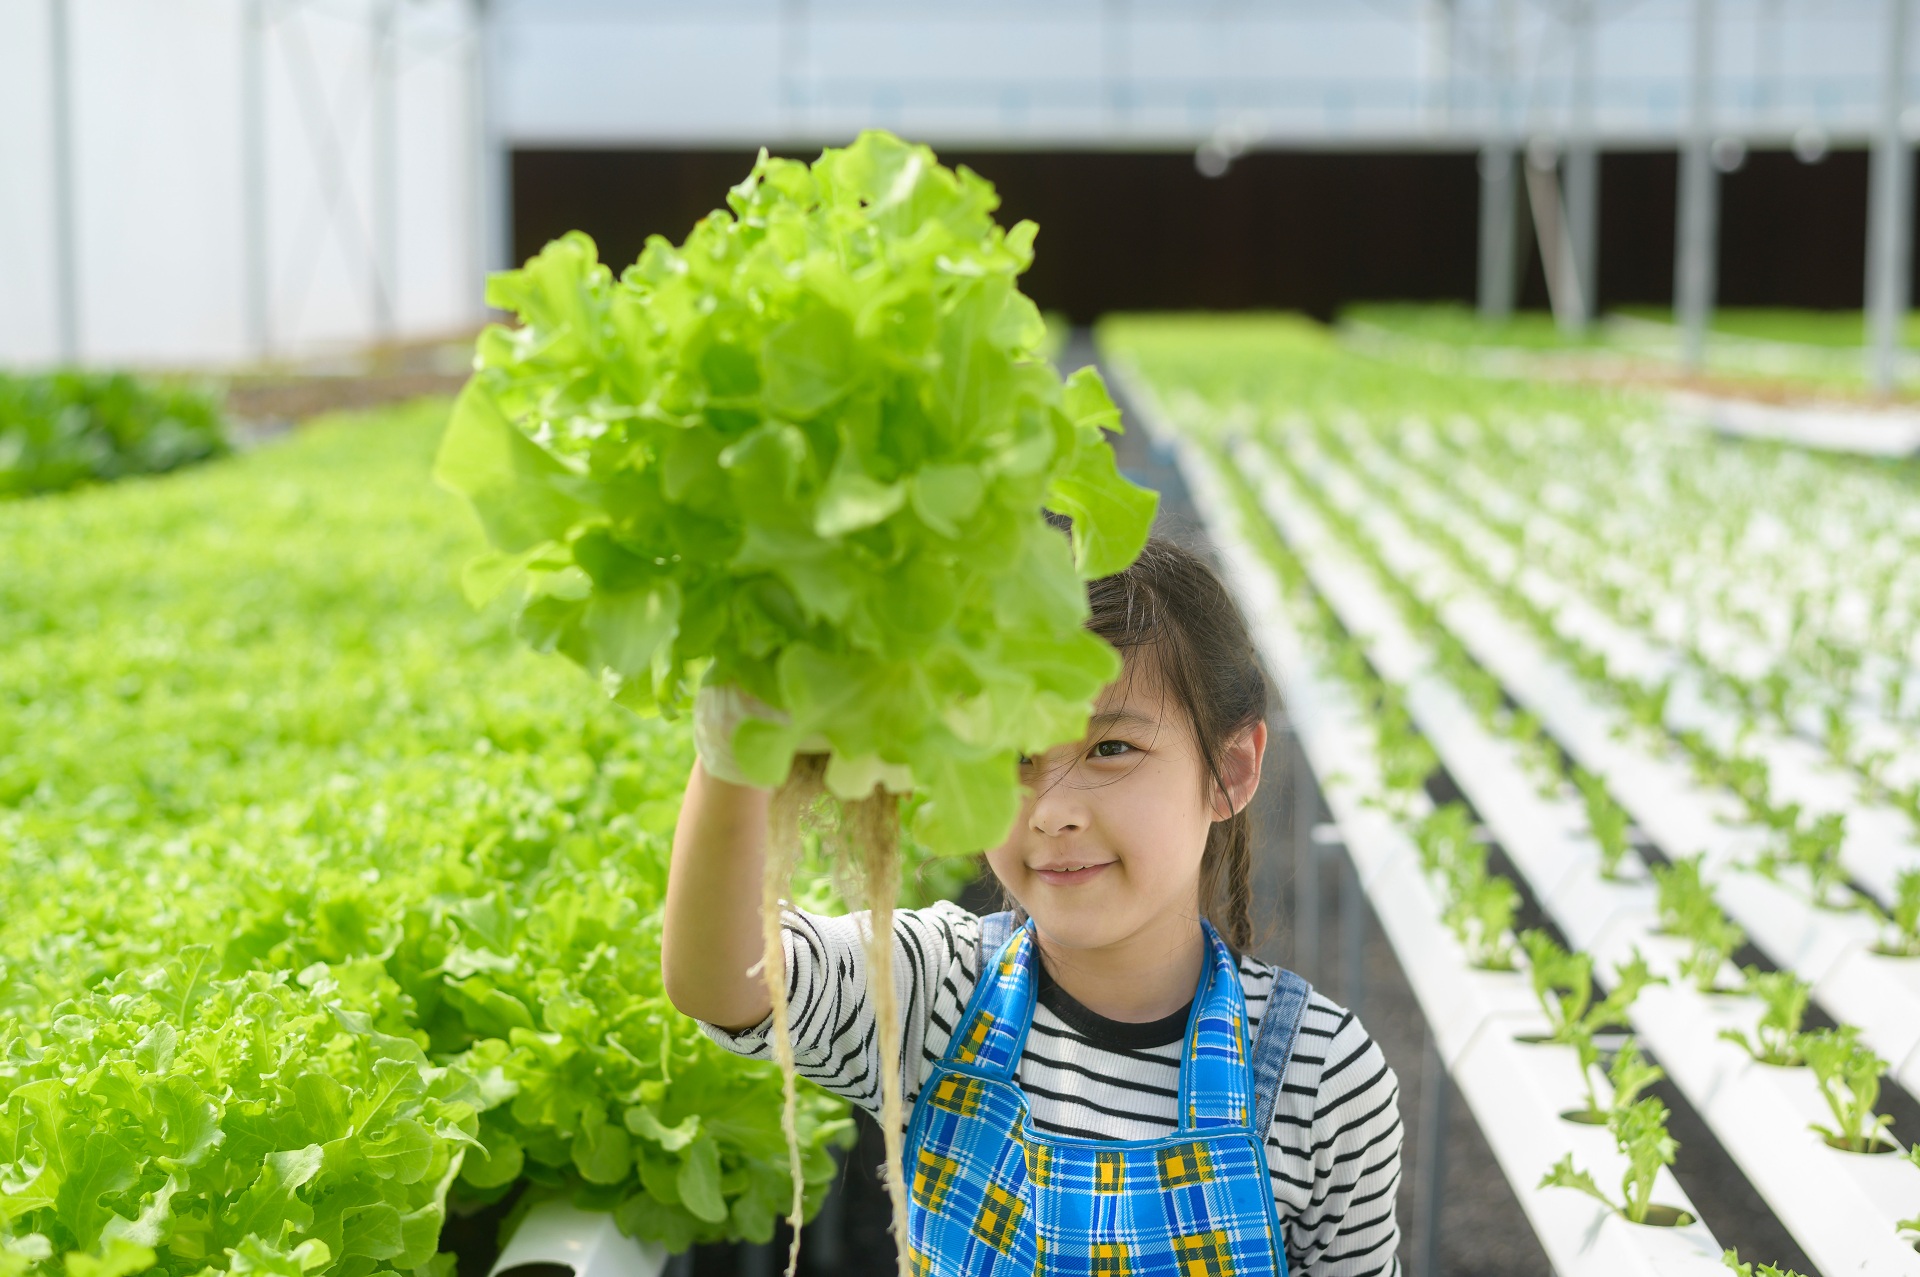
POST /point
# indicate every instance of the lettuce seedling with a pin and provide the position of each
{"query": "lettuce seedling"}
(1904, 939)
(1563, 984)
(1640, 1131)
(1480, 910)
(1629, 1074)
(1688, 910)
(1815, 847)
(1731, 1259)
(1849, 1075)
(1776, 1039)
(1406, 759)
(1607, 819)
(1441, 836)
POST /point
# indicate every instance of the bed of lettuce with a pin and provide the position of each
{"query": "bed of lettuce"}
(325, 906)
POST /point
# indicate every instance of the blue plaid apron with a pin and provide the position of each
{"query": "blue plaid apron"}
(991, 1196)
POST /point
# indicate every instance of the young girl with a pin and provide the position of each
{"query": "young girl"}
(1125, 1089)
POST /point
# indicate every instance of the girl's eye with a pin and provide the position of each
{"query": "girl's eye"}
(1111, 749)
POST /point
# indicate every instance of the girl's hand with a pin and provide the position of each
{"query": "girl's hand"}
(718, 709)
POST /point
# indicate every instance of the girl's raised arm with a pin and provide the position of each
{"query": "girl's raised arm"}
(710, 930)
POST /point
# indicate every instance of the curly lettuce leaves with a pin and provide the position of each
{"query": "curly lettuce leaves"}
(806, 453)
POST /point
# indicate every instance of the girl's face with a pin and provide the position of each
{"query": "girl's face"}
(1112, 827)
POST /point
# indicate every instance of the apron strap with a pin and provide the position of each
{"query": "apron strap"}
(993, 1027)
(1273, 1045)
(994, 930)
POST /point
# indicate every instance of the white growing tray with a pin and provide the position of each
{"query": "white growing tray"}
(1879, 841)
(1841, 1207)
(1831, 951)
(1515, 1091)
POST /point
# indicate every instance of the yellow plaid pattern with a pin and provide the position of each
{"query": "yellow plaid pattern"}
(1184, 1164)
(933, 1177)
(919, 1263)
(1208, 1254)
(957, 1094)
(1109, 1172)
(1039, 1164)
(1109, 1259)
(998, 1223)
(976, 1038)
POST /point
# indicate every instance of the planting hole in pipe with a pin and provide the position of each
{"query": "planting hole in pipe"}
(1584, 1117)
(1666, 1217)
(1879, 1149)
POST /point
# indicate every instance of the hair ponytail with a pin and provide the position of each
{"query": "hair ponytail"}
(1226, 880)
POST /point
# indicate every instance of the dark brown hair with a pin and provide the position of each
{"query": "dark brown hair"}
(1171, 608)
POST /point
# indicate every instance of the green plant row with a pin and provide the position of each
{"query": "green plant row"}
(63, 429)
(329, 908)
(1848, 1074)
(1814, 628)
(1478, 905)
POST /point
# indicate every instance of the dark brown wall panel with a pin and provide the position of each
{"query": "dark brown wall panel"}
(1296, 230)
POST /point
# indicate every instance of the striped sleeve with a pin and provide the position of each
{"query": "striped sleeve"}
(1334, 1149)
(831, 1006)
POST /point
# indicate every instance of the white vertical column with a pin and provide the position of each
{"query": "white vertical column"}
(66, 250)
(383, 74)
(496, 184)
(1890, 211)
(1581, 169)
(257, 300)
(1499, 278)
(1498, 230)
(1698, 230)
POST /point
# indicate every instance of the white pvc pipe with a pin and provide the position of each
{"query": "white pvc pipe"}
(588, 1242)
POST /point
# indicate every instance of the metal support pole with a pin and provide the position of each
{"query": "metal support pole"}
(1498, 233)
(66, 250)
(1696, 242)
(383, 101)
(1306, 859)
(1890, 212)
(1353, 935)
(1431, 1150)
(258, 306)
(1581, 171)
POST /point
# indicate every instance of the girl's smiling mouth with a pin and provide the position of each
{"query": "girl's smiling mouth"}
(1067, 875)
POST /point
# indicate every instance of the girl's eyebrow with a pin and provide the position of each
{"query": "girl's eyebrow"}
(1114, 717)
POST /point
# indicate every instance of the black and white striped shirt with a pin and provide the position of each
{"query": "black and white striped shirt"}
(1333, 1151)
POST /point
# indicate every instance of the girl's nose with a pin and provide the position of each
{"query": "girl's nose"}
(1059, 806)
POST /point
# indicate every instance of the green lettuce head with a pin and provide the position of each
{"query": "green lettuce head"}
(805, 453)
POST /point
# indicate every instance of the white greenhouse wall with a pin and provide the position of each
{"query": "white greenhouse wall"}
(162, 256)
